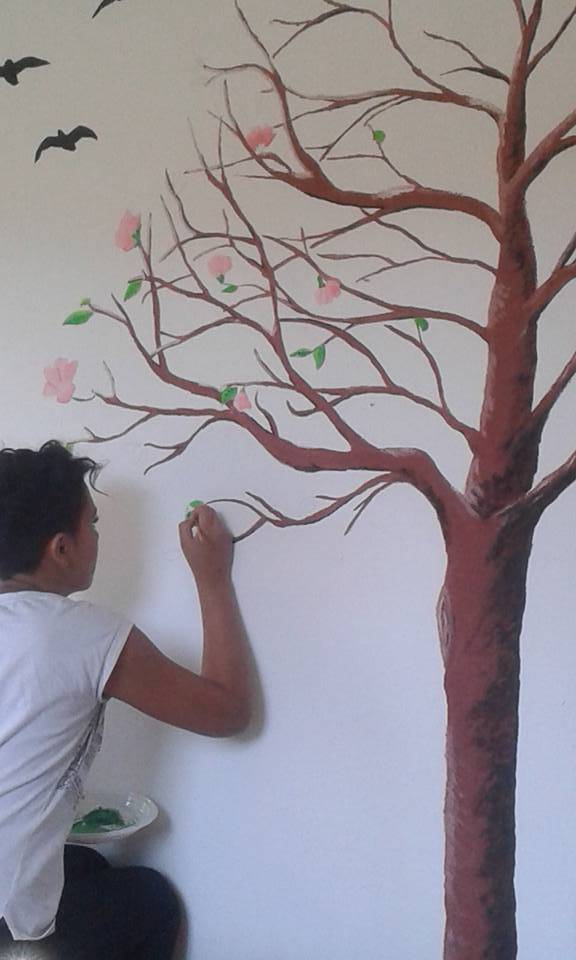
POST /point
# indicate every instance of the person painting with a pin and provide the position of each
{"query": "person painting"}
(61, 660)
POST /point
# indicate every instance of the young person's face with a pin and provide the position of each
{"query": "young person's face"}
(85, 546)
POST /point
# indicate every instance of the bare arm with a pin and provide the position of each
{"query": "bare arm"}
(215, 702)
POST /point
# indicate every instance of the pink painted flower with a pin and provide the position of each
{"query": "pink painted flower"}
(327, 293)
(219, 265)
(260, 137)
(241, 400)
(59, 380)
(128, 231)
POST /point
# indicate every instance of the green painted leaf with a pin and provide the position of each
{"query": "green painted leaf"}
(320, 281)
(228, 394)
(319, 356)
(231, 288)
(85, 302)
(136, 237)
(132, 289)
(378, 135)
(421, 323)
(301, 352)
(220, 278)
(77, 318)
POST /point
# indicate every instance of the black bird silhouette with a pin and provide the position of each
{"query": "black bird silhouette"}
(67, 141)
(10, 70)
(105, 3)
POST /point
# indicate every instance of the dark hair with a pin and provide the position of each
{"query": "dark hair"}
(42, 493)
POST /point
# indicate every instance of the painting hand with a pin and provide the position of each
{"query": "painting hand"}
(207, 545)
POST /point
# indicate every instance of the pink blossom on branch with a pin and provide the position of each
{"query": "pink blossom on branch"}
(219, 265)
(328, 291)
(241, 400)
(259, 137)
(59, 380)
(128, 231)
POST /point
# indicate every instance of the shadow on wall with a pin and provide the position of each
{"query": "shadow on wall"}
(138, 751)
(119, 581)
(133, 743)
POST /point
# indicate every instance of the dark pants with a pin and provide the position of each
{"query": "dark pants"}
(105, 913)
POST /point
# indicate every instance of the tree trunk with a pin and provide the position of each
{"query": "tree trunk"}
(480, 617)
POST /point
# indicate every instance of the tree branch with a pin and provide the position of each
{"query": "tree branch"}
(550, 147)
(470, 435)
(481, 67)
(305, 25)
(542, 410)
(314, 183)
(352, 342)
(550, 488)
(567, 253)
(394, 311)
(545, 50)
(156, 310)
(547, 291)
(268, 514)
(391, 388)
(275, 339)
(520, 11)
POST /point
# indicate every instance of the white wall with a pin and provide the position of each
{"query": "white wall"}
(319, 834)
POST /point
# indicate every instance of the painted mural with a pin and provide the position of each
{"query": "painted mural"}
(312, 299)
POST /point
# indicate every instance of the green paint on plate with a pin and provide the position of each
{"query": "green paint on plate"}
(99, 820)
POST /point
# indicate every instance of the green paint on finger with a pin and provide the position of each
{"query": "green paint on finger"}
(192, 506)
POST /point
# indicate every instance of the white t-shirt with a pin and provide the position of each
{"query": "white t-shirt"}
(56, 655)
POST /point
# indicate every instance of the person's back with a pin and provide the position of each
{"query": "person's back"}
(56, 655)
(60, 661)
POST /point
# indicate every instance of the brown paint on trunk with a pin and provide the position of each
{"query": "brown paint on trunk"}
(480, 618)
(507, 455)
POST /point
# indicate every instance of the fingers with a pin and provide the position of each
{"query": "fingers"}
(202, 522)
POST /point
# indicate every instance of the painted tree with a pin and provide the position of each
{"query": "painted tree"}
(237, 277)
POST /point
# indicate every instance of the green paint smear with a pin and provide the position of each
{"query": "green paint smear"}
(99, 820)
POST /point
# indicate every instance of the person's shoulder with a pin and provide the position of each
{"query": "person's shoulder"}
(88, 611)
(32, 602)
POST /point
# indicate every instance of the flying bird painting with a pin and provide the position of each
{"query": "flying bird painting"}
(105, 3)
(10, 69)
(66, 141)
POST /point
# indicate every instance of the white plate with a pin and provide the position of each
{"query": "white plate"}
(136, 811)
